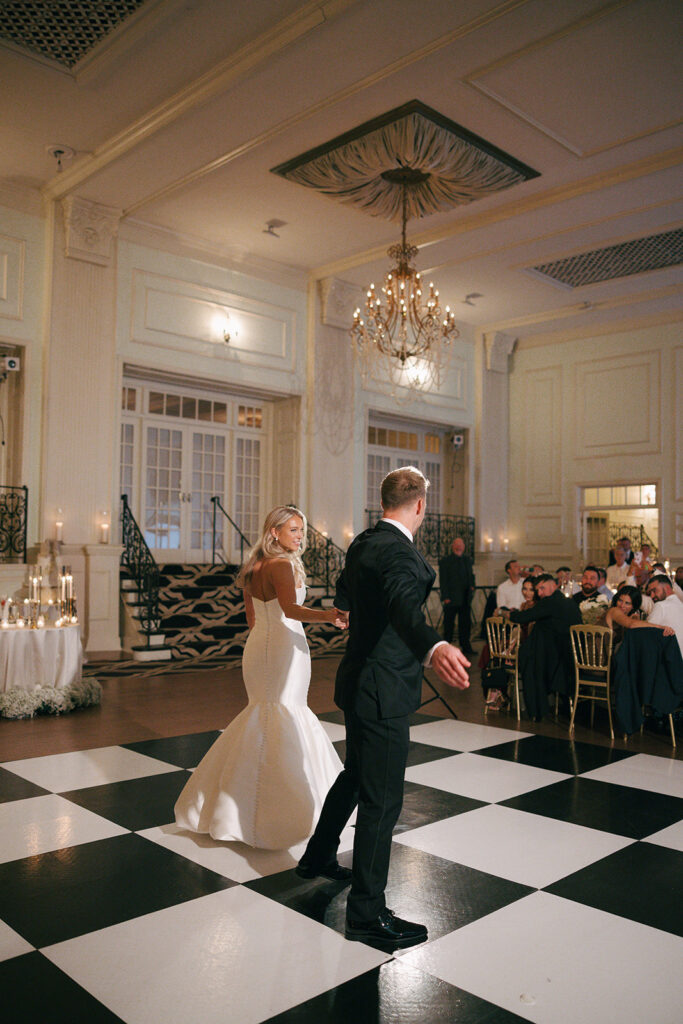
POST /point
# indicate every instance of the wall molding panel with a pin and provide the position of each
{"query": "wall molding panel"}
(605, 392)
(12, 263)
(543, 437)
(171, 313)
(678, 427)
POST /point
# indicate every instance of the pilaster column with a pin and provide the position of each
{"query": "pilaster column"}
(493, 354)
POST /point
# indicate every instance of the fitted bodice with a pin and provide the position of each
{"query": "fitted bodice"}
(276, 664)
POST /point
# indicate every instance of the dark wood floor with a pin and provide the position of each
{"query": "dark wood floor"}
(176, 703)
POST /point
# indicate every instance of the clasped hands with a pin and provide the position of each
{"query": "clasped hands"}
(341, 619)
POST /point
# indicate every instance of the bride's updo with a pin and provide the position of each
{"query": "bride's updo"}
(268, 545)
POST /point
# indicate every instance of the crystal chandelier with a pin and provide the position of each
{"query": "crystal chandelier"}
(401, 339)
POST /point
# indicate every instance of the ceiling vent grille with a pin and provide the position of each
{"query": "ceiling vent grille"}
(65, 31)
(622, 260)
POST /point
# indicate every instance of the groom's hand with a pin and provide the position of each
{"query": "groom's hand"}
(342, 619)
(451, 665)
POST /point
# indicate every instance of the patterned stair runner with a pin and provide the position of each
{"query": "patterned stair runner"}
(203, 614)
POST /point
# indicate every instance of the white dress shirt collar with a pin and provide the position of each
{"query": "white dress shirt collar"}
(399, 526)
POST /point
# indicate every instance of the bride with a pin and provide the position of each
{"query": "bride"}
(264, 780)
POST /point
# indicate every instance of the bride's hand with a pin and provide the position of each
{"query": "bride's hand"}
(339, 618)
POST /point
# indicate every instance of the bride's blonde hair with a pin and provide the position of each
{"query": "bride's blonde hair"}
(268, 546)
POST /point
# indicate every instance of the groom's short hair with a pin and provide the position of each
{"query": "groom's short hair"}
(403, 486)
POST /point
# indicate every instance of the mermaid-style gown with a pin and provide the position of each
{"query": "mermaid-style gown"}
(264, 780)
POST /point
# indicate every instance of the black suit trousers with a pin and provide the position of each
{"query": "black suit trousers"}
(462, 611)
(372, 779)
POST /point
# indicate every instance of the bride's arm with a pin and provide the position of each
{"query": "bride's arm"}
(249, 608)
(281, 575)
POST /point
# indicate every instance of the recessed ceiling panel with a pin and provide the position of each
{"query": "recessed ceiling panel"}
(591, 86)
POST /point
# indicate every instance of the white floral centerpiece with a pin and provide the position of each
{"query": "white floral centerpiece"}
(594, 609)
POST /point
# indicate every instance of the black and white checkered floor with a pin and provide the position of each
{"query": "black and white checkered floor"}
(549, 874)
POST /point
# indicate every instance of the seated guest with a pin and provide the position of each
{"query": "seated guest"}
(619, 571)
(602, 586)
(641, 567)
(591, 603)
(659, 568)
(624, 613)
(565, 580)
(545, 658)
(679, 576)
(497, 699)
(509, 592)
(668, 610)
(625, 544)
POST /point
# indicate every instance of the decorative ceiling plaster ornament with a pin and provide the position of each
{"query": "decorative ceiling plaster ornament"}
(458, 166)
(90, 229)
(499, 348)
(338, 299)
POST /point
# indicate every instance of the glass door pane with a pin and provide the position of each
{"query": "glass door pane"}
(162, 512)
(247, 491)
(208, 479)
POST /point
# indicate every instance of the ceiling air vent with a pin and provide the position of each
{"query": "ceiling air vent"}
(65, 31)
(622, 260)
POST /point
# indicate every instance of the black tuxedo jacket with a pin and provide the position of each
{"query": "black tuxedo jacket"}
(384, 584)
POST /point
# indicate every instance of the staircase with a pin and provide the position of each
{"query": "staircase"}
(202, 611)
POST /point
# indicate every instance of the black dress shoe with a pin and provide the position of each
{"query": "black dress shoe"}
(386, 929)
(334, 871)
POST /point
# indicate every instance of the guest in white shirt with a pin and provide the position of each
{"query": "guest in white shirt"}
(668, 610)
(509, 593)
(620, 570)
(659, 567)
(603, 588)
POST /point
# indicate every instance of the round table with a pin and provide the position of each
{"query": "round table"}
(49, 656)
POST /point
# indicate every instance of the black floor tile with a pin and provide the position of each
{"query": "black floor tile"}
(556, 755)
(395, 994)
(635, 813)
(13, 787)
(184, 751)
(418, 753)
(436, 892)
(34, 991)
(134, 803)
(643, 883)
(58, 895)
(423, 805)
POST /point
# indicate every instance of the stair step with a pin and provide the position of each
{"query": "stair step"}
(141, 653)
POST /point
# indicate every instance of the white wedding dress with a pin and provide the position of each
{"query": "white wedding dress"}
(264, 780)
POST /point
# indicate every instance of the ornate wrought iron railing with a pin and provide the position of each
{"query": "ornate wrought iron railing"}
(437, 533)
(323, 559)
(218, 543)
(13, 519)
(637, 534)
(140, 563)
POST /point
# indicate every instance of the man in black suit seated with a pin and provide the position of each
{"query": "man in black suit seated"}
(456, 581)
(545, 658)
(383, 586)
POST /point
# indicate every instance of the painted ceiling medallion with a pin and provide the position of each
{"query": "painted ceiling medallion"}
(457, 167)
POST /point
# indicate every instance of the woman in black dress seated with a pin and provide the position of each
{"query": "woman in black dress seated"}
(624, 613)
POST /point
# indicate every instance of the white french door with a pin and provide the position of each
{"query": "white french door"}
(183, 468)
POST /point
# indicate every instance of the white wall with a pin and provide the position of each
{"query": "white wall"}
(602, 410)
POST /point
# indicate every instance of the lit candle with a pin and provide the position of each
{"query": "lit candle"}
(5, 624)
(104, 533)
(506, 543)
(20, 623)
(488, 543)
(41, 622)
(59, 527)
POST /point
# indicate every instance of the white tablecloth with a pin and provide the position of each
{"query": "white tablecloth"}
(52, 656)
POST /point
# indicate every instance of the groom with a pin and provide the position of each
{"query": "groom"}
(383, 586)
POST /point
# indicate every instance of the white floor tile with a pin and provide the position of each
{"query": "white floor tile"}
(482, 778)
(43, 823)
(643, 771)
(672, 837)
(12, 944)
(237, 861)
(463, 735)
(522, 847)
(557, 962)
(60, 773)
(233, 956)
